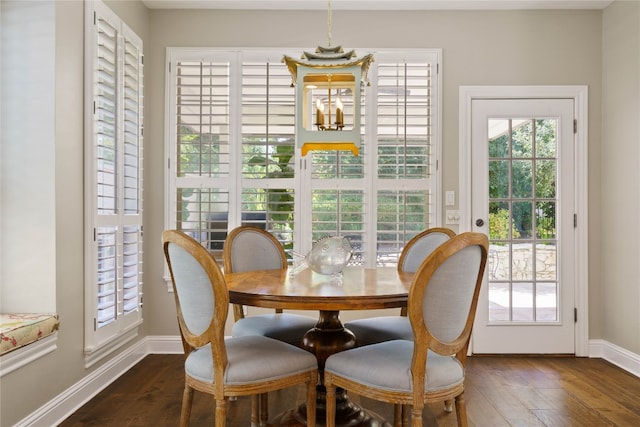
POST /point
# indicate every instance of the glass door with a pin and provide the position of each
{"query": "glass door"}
(522, 197)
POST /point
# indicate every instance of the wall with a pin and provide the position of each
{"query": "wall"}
(620, 292)
(28, 75)
(479, 48)
(27, 389)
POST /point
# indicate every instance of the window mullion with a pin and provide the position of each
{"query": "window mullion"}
(370, 167)
(235, 136)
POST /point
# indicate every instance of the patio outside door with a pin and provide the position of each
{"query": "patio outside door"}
(523, 192)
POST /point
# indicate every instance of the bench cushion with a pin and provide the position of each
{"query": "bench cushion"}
(18, 330)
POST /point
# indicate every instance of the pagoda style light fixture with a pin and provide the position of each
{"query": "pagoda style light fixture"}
(328, 96)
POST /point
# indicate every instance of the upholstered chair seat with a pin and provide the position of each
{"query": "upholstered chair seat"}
(387, 359)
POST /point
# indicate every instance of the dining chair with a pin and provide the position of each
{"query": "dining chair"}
(249, 248)
(226, 367)
(373, 330)
(441, 308)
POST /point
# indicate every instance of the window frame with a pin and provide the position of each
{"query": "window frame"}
(302, 178)
(101, 341)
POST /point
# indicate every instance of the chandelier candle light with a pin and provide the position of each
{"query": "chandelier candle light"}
(335, 77)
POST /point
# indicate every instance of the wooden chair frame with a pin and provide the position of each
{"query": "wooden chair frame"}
(214, 336)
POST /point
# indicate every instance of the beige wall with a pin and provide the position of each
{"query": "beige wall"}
(479, 48)
(620, 157)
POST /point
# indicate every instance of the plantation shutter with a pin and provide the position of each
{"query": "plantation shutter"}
(201, 134)
(397, 193)
(379, 199)
(268, 147)
(405, 107)
(114, 178)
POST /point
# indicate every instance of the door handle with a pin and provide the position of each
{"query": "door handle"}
(479, 222)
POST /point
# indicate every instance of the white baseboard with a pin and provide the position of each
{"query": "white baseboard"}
(59, 408)
(164, 344)
(619, 356)
(65, 404)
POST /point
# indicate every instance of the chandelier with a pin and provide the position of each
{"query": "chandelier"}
(328, 96)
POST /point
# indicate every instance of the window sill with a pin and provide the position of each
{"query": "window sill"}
(94, 355)
(16, 359)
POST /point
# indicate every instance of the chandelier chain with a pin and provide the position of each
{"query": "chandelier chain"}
(329, 23)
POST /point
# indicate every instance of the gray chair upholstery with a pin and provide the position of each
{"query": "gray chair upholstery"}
(226, 367)
(441, 308)
(249, 248)
(386, 328)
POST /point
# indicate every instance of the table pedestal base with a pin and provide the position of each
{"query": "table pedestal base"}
(327, 338)
(348, 414)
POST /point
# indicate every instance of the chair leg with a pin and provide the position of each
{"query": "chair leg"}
(406, 414)
(448, 405)
(221, 412)
(264, 409)
(311, 402)
(397, 415)
(238, 312)
(330, 404)
(416, 417)
(187, 399)
(255, 405)
(461, 410)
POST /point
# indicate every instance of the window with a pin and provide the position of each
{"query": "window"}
(232, 158)
(113, 177)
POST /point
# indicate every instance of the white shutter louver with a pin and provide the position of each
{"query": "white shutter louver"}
(106, 117)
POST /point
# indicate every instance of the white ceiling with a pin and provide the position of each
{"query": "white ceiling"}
(378, 4)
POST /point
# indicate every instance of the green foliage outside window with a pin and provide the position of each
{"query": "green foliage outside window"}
(515, 164)
(499, 226)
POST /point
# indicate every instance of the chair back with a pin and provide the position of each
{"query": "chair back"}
(201, 295)
(248, 248)
(444, 296)
(420, 246)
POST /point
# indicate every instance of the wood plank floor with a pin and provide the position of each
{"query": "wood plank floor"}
(500, 391)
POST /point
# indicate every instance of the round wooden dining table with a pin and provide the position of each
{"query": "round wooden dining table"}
(357, 288)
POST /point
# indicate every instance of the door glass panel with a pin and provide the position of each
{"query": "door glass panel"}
(499, 301)
(547, 302)
(522, 297)
(522, 178)
(522, 276)
(499, 179)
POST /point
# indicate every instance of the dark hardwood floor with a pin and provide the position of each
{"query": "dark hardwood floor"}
(500, 391)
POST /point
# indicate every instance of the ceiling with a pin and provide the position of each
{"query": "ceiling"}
(378, 4)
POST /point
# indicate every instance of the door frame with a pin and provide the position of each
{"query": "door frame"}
(579, 94)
